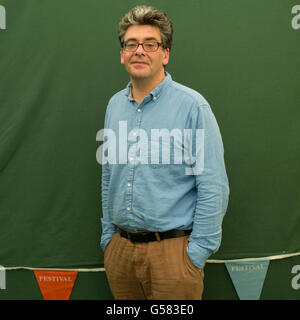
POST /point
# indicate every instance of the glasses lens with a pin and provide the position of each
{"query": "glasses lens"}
(150, 46)
(131, 46)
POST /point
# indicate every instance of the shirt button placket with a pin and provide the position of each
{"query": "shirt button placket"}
(131, 164)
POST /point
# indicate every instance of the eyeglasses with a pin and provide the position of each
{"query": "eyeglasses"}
(148, 46)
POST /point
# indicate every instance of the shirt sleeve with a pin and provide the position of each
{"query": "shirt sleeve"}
(108, 228)
(211, 185)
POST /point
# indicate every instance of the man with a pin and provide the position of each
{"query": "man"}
(162, 207)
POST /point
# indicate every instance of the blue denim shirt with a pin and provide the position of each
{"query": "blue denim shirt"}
(162, 195)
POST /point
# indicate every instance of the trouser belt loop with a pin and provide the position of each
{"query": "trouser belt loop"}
(157, 236)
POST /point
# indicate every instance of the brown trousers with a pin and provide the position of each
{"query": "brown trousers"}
(157, 270)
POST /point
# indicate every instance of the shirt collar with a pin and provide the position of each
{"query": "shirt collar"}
(156, 91)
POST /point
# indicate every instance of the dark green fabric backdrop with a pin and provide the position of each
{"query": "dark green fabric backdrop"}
(59, 65)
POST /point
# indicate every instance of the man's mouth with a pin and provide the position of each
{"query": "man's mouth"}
(139, 62)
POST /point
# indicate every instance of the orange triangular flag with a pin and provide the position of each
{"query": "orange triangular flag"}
(55, 285)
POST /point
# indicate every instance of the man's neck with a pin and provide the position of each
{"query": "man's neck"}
(141, 88)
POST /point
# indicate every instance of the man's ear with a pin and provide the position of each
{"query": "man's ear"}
(122, 56)
(166, 56)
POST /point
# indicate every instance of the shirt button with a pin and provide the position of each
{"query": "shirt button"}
(134, 134)
(131, 159)
(128, 209)
(154, 98)
(129, 185)
(139, 110)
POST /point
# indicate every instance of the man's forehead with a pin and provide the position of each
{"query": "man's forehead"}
(142, 32)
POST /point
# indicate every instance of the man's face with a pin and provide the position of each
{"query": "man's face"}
(141, 64)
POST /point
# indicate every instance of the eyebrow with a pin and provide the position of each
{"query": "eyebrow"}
(134, 39)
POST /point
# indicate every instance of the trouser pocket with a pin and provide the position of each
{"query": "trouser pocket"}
(188, 261)
(109, 249)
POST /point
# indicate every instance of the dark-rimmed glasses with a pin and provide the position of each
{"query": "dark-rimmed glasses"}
(148, 46)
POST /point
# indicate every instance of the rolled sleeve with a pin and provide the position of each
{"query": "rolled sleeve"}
(108, 228)
(212, 192)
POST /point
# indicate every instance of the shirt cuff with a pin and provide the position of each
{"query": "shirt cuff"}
(198, 254)
(108, 231)
(105, 240)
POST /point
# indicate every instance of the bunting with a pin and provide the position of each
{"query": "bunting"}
(248, 277)
(55, 285)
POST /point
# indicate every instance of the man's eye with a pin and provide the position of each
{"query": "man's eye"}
(131, 45)
(149, 45)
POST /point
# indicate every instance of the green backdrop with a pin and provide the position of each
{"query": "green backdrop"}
(59, 65)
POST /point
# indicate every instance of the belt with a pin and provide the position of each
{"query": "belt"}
(148, 236)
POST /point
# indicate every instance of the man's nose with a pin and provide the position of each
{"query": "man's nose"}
(140, 49)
